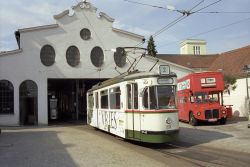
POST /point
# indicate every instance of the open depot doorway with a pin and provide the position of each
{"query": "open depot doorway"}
(67, 98)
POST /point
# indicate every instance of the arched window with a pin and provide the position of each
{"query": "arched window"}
(97, 56)
(28, 103)
(6, 97)
(47, 55)
(73, 56)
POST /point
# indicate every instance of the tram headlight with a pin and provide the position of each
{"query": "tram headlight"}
(199, 113)
(169, 121)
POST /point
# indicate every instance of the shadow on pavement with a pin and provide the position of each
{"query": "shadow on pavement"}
(188, 137)
(44, 148)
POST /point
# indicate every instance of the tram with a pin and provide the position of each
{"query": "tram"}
(136, 106)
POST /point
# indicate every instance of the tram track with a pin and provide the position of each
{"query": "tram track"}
(202, 156)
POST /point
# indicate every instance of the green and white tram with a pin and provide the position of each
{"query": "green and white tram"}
(136, 106)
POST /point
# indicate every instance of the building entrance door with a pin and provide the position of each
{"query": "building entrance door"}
(70, 95)
(28, 103)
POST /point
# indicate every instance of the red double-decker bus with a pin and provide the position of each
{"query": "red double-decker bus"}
(200, 98)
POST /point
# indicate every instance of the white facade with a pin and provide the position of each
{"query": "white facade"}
(238, 98)
(193, 46)
(25, 63)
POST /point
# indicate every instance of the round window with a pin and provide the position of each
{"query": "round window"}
(73, 56)
(120, 57)
(47, 55)
(97, 56)
(85, 34)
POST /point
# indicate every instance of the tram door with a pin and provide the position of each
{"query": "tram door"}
(134, 117)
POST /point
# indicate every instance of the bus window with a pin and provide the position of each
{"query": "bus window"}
(96, 100)
(213, 97)
(104, 99)
(114, 98)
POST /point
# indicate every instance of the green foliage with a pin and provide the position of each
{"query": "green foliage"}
(230, 83)
(151, 47)
(230, 80)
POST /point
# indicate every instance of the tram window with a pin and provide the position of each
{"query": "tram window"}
(104, 99)
(145, 98)
(153, 102)
(129, 99)
(96, 100)
(135, 96)
(90, 101)
(114, 98)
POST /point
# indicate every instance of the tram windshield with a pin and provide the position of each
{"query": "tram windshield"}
(159, 97)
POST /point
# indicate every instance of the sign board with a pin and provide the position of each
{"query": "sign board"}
(183, 85)
(164, 70)
(165, 81)
(208, 82)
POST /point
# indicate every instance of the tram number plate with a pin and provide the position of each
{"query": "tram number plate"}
(212, 120)
(168, 126)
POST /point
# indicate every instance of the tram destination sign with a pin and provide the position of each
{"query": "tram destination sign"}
(164, 70)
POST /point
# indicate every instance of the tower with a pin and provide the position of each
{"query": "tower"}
(193, 46)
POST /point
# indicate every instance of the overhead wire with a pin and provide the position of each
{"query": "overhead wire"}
(145, 4)
(211, 4)
(185, 13)
(211, 30)
(230, 12)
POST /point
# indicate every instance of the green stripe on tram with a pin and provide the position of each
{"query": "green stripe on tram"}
(150, 138)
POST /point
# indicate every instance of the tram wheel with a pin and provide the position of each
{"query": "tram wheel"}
(192, 120)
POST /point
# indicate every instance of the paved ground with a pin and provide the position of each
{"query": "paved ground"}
(72, 146)
(81, 145)
(235, 135)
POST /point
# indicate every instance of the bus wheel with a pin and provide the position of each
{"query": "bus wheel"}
(223, 121)
(192, 120)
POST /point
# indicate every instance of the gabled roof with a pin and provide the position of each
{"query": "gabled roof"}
(190, 61)
(3, 53)
(232, 62)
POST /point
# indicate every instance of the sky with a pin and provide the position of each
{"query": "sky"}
(223, 31)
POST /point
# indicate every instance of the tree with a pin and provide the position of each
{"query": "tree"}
(230, 83)
(151, 47)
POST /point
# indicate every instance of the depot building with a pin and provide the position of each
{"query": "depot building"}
(56, 64)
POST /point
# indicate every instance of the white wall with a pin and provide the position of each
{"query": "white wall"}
(238, 98)
(27, 65)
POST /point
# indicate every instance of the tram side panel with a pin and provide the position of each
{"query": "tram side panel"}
(91, 111)
(105, 118)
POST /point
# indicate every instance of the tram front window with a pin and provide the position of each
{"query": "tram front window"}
(160, 97)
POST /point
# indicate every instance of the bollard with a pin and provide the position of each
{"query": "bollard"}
(248, 120)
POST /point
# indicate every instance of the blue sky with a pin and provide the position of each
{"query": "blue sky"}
(141, 19)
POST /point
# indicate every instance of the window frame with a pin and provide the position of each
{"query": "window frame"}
(116, 93)
(44, 56)
(103, 94)
(10, 98)
(73, 60)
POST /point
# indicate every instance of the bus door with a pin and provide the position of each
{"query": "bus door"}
(133, 116)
